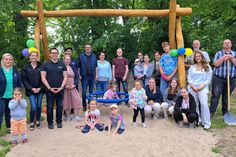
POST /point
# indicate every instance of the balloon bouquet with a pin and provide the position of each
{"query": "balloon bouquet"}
(181, 51)
(31, 48)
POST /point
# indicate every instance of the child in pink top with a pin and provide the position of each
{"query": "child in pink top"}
(111, 93)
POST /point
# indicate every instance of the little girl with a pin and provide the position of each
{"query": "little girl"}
(137, 100)
(18, 116)
(115, 121)
(92, 118)
(111, 93)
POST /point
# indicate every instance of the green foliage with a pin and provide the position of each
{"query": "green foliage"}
(216, 150)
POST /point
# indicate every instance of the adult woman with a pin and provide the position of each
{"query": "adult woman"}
(199, 77)
(132, 63)
(103, 73)
(170, 96)
(71, 95)
(156, 68)
(185, 109)
(31, 79)
(9, 79)
(147, 70)
(154, 98)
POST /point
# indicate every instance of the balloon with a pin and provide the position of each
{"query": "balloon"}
(174, 53)
(32, 49)
(188, 52)
(30, 43)
(25, 52)
(181, 51)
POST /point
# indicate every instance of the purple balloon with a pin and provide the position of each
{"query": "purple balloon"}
(25, 52)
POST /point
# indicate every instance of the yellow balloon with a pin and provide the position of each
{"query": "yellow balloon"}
(32, 49)
(188, 52)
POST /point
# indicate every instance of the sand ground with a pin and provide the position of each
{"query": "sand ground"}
(162, 138)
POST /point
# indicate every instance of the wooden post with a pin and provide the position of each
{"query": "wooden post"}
(180, 43)
(37, 37)
(43, 29)
(172, 23)
(108, 12)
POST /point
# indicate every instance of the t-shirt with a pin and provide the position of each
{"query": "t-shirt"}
(110, 95)
(115, 120)
(168, 63)
(9, 83)
(120, 64)
(54, 73)
(92, 115)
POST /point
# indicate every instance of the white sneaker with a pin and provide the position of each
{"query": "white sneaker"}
(72, 118)
(155, 117)
(134, 124)
(206, 127)
(78, 119)
(144, 125)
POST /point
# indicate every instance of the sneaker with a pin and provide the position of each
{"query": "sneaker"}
(144, 125)
(155, 117)
(31, 127)
(84, 109)
(25, 141)
(78, 119)
(71, 118)
(50, 126)
(181, 124)
(59, 125)
(13, 143)
(8, 130)
(39, 126)
(134, 124)
(206, 127)
(191, 125)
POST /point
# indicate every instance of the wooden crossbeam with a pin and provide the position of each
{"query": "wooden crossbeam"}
(108, 12)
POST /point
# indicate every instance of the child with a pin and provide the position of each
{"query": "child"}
(111, 93)
(138, 69)
(18, 116)
(115, 121)
(137, 100)
(92, 118)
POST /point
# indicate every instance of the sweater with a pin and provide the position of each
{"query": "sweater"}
(157, 97)
(104, 70)
(18, 109)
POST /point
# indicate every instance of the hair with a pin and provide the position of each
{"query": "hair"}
(18, 90)
(165, 43)
(119, 49)
(112, 84)
(5, 55)
(34, 52)
(139, 81)
(54, 48)
(176, 89)
(155, 86)
(89, 105)
(140, 52)
(68, 48)
(203, 61)
(101, 53)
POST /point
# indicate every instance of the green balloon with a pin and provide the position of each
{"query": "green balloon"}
(174, 53)
(30, 43)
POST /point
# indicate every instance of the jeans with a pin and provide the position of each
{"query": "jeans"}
(4, 109)
(119, 131)
(164, 84)
(36, 106)
(87, 128)
(124, 84)
(102, 86)
(219, 87)
(89, 81)
(50, 103)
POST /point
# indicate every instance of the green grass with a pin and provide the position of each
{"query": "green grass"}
(216, 150)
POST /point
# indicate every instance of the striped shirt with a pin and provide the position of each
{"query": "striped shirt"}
(221, 71)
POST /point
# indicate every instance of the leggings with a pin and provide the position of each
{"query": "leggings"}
(136, 114)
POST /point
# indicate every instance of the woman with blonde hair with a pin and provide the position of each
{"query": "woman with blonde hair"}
(9, 79)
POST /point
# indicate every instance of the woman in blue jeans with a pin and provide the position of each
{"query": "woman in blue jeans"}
(9, 79)
(103, 73)
(31, 79)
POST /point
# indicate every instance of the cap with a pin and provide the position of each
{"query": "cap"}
(113, 106)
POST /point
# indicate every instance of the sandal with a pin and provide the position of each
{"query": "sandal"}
(25, 141)
(13, 143)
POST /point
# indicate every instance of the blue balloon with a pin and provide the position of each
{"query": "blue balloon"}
(181, 50)
(25, 52)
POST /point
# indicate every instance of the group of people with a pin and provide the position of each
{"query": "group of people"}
(156, 91)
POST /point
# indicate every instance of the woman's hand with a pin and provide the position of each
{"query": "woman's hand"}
(185, 119)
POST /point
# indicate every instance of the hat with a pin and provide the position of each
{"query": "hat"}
(137, 60)
(113, 105)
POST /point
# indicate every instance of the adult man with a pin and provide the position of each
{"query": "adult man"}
(54, 77)
(224, 61)
(120, 70)
(196, 46)
(87, 64)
